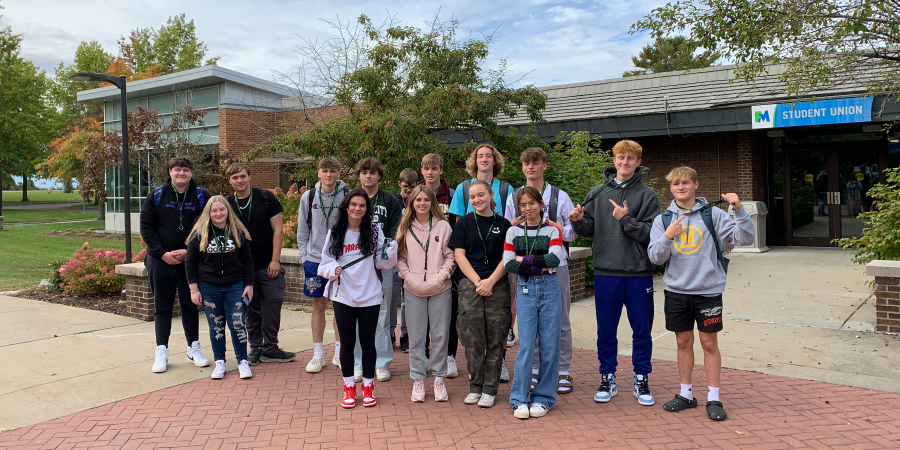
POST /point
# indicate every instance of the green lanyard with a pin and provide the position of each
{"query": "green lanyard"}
(527, 249)
(426, 246)
(483, 239)
(180, 206)
(602, 192)
(219, 243)
(248, 205)
(322, 199)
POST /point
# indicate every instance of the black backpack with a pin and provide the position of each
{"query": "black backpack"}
(706, 215)
(504, 194)
(312, 198)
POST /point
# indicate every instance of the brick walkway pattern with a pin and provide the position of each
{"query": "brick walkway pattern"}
(283, 407)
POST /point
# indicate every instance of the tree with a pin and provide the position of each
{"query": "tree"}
(880, 239)
(414, 88)
(173, 48)
(63, 93)
(669, 54)
(819, 42)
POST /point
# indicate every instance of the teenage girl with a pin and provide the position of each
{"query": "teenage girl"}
(219, 269)
(533, 250)
(425, 265)
(352, 259)
(484, 294)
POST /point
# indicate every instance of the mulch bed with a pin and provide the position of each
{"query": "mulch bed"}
(92, 233)
(104, 304)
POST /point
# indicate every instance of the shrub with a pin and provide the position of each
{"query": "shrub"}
(56, 282)
(92, 272)
(290, 202)
(880, 239)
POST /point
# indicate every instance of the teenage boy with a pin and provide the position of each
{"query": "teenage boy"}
(558, 205)
(316, 215)
(386, 214)
(167, 215)
(261, 213)
(688, 238)
(485, 163)
(408, 180)
(619, 214)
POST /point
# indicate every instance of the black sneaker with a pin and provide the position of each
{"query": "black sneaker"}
(393, 340)
(404, 344)
(510, 338)
(277, 355)
(253, 357)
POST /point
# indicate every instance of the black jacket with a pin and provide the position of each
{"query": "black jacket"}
(160, 224)
(620, 246)
(222, 264)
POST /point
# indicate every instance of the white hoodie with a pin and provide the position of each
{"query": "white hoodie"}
(358, 285)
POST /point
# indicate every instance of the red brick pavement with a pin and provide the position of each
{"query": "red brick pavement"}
(284, 407)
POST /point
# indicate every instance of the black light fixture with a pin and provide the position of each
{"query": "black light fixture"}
(118, 82)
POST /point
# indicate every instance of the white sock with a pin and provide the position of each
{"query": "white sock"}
(368, 381)
(317, 350)
(687, 392)
(713, 395)
(337, 348)
(535, 372)
(563, 372)
(349, 381)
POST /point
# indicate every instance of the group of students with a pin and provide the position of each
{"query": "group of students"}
(467, 262)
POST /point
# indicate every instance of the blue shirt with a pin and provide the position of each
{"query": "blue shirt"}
(459, 202)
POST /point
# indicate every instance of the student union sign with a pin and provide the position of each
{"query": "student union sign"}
(821, 112)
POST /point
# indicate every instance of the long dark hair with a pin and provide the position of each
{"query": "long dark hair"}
(339, 230)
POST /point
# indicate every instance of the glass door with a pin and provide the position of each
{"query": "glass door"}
(857, 172)
(809, 188)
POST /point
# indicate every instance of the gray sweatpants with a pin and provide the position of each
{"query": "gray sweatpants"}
(421, 312)
(565, 330)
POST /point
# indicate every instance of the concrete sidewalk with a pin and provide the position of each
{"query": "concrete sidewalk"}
(800, 313)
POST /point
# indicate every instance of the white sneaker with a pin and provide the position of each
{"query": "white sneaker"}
(504, 372)
(452, 370)
(336, 361)
(162, 359)
(538, 410)
(357, 375)
(486, 401)
(219, 372)
(382, 374)
(194, 355)
(472, 398)
(522, 412)
(440, 390)
(244, 369)
(607, 389)
(315, 365)
(642, 390)
(418, 392)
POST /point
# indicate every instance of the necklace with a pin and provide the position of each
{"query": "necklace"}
(483, 239)
(248, 205)
(426, 246)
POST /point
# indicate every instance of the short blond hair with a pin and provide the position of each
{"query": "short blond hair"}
(629, 147)
(433, 160)
(472, 168)
(682, 173)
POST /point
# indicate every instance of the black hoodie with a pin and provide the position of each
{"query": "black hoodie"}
(620, 246)
(160, 224)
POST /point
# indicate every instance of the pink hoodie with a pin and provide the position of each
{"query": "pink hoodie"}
(441, 261)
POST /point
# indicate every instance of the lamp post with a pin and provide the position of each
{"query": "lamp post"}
(118, 82)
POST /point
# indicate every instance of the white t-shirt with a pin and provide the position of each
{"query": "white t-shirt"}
(358, 285)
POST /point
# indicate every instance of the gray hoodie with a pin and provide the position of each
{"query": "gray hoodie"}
(692, 264)
(310, 242)
(620, 246)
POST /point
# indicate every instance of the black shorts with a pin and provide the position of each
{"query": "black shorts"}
(683, 310)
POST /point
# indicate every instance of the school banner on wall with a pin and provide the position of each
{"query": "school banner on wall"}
(821, 112)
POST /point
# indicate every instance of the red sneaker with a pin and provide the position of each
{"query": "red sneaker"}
(349, 400)
(369, 395)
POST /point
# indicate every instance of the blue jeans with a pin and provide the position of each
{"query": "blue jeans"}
(636, 294)
(221, 303)
(539, 316)
(390, 290)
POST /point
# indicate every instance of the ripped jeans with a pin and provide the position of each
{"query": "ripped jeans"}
(223, 305)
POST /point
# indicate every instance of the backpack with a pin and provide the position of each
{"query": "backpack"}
(312, 198)
(706, 215)
(504, 194)
(552, 209)
(157, 194)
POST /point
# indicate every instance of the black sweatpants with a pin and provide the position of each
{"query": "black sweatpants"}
(264, 312)
(165, 281)
(453, 337)
(347, 319)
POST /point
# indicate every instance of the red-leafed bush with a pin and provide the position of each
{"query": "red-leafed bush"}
(92, 272)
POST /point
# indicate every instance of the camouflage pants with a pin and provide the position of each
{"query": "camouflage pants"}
(482, 324)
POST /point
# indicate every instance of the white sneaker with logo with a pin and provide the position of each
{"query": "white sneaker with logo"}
(521, 412)
(162, 359)
(244, 369)
(194, 355)
(219, 372)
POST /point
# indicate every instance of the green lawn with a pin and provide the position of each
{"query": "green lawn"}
(40, 196)
(27, 253)
(36, 215)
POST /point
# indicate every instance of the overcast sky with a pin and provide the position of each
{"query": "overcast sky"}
(558, 42)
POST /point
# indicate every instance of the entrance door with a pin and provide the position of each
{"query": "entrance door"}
(826, 188)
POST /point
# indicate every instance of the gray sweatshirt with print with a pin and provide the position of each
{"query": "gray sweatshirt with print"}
(324, 215)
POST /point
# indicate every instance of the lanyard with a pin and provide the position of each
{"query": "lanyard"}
(180, 206)
(426, 246)
(248, 205)
(223, 244)
(527, 249)
(322, 200)
(602, 192)
(375, 205)
(483, 240)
